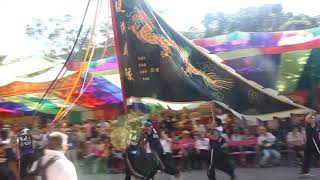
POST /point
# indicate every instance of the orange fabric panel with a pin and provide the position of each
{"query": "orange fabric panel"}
(17, 88)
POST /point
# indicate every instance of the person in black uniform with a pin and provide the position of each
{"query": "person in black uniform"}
(219, 159)
(26, 149)
(153, 145)
(139, 163)
(312, 145)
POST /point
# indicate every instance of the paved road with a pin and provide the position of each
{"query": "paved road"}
(280, 173)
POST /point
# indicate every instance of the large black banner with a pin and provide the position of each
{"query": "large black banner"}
(158, 62)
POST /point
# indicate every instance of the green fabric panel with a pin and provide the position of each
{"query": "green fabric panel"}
(311, 73)
(239, 53)
(75, 117)
(32, 102)
(290, 70)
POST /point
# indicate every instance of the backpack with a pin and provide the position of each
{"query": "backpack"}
(40, 172)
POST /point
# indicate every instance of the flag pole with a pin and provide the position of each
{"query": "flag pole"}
(116, 40)
(213, 112)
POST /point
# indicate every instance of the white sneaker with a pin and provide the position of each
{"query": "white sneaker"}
(306, 175)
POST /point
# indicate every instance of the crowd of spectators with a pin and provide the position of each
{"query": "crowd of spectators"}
(184, 136)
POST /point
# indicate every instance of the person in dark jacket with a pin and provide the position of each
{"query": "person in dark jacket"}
(312, 145)
(8, 160)
(26, 149)
(154, 145)
(219, 159)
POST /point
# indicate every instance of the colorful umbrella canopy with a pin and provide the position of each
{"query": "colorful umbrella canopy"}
(23, 88)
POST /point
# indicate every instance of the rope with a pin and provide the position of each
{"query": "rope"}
(83, 88)
(83, 65)
(107, 36)
(68, 58)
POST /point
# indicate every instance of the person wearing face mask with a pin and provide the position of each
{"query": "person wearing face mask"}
(312, 145)
(54, 165)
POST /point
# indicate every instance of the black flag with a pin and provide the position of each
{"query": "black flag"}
(159, 63)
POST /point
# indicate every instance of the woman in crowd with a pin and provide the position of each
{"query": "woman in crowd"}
(296, 141)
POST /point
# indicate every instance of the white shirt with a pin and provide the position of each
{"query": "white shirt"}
(166, 145)
(61, 169)
(236, 137)
(202, 144)
(266, 137)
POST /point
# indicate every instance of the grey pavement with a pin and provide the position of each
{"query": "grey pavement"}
(279, 173)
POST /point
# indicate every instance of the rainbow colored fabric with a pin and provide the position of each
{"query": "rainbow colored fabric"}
(244, 44)
(274, 60)
(22, 88)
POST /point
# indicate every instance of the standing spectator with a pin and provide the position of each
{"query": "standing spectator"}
(168, 123)
(8, 160)
(43, 139)
(26, 150)
(236, 135)
(312, 144)
(166, 143)
(87, 128)
(247, 135)
(188, 150)
(60, 167)
(296, 141)
(202, 148)
(266, 141)
(72, 154)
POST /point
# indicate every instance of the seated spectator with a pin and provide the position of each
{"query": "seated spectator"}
(200, 128)
(176, 146)
(236, 135)
(104, 149)
(91, 156)
(115, 160)
(188, 149)
(247, 135)
(296, 142)
(166, 143)
(266, 141)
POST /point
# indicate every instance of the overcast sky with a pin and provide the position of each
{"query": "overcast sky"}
(181, 14)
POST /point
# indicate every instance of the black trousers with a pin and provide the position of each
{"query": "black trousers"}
(204, 154)
(221, 161)
(25, 163)
(169, 165)
(309, 153)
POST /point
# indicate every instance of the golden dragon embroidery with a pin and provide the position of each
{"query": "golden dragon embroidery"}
(143, 29)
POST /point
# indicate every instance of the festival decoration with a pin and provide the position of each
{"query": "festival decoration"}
(160, 63)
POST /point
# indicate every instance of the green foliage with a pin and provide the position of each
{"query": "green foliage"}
(59, 34)
(267, 18)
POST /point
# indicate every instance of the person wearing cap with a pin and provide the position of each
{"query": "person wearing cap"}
(312, 145)
(153, 144)
(26, 151)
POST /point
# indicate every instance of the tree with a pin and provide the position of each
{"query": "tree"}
(59, 34)
(266, 18)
